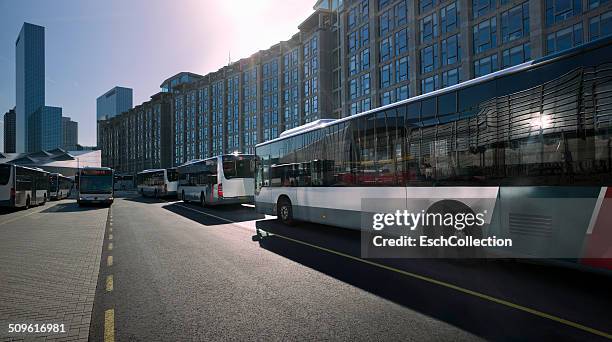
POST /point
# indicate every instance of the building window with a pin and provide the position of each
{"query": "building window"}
(365, 35)
(450, 77)
(596, 3)
(385, 76)
(385, 22)
(385, 49)
(401, 93)
(353, 67)
(401, 69)
(365, 59)
(352, 42)
(516, 55)
(485, 35)
(429, 28)
(430, 84)
(429, 59)
(515, 23)
(449, 18)
(386, 98)
(365, 84)
(450, 50)
(426, 5)
(564, 39)
(559, 10)
(353, 88)
(482, 7)
(352, 18)
(485, 65)
(401, 42)
(401, 14)
(600, 26)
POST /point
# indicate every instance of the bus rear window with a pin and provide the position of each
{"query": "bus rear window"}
(5, 174)
(172, 175)
(238, 167)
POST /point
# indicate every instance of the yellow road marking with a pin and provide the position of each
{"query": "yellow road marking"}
(109, 325)
(110, 236)
(458, 288)
(109, 260)
(109, 283)
(110, 246)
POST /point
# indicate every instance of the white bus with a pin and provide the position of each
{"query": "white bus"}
(59, 186)
(22, 187)
(222, 179)
(541, 129)
(157, 182)
(124, 182)
(95, 185)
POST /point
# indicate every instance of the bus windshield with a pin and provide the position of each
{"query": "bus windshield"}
(5, 174)
(96, 184)
(238, 166)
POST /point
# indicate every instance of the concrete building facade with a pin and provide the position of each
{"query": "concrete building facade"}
(139, 138)
(70, 132)
(355, 55)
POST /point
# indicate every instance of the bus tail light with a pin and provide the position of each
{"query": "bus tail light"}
(220, 190)
(165, 188)
(13, 193)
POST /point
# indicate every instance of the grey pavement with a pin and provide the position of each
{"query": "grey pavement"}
(49, 264)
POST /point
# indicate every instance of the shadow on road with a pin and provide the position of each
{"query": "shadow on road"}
(72, 207)
(549, 289)
(216, 215)
(148, 200)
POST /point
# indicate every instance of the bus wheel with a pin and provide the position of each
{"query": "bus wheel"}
(202, 200)
(285, 211)
(27, 206)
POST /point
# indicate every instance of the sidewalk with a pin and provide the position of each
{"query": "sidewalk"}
(49, 263)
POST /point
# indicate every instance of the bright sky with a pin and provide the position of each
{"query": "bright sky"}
(91, 46)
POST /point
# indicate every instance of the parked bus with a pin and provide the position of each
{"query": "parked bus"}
(95, 185)
(157, 182)
(539, 129)
(124, 182)
(22, 187)
(223, 179)
(59, 186)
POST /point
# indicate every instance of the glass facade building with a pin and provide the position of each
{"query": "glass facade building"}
(45, 126)
(30, 82)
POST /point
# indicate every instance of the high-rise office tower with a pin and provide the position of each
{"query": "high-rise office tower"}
(9, 131)
(30, 81)
(113, 103)
(70, 131)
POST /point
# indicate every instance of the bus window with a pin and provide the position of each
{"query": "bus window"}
(172, 175)
(5, 173)
(238, 167)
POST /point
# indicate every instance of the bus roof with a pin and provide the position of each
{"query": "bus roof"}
(494, 75)
(196, 161)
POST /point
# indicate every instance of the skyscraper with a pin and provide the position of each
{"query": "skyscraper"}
(9, 131)
(113, 103)
(45, 129)
(30, 81)
(70, 131)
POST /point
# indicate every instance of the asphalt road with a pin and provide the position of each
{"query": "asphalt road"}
(185, 273)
